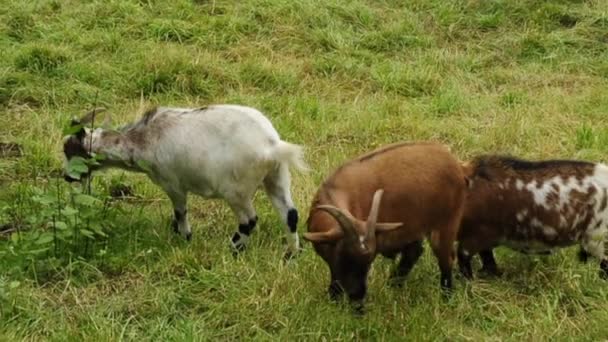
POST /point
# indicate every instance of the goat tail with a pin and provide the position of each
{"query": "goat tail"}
(291, 154)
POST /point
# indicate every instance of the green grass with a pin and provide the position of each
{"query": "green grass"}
(340, 77)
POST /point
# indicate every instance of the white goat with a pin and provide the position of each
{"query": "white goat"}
(219, 151)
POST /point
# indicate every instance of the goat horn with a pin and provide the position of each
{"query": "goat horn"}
(88, 117)
(386, 226)
(344, 218)
(328, 236)
(373, 213)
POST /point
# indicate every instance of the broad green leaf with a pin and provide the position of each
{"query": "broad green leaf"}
(69, 211)
(86, 200)
(98, 229)
(99, 156)
(14, 284)
(71, 129)
(144, 165)
(45, 199)
(59, 225)
(76, 167)
(38, 251)
(87, 233)
(44, 238)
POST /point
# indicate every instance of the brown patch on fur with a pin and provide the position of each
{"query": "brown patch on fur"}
(149, 128)
(552, 199)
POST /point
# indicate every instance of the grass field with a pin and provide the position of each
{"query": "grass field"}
(339, 77)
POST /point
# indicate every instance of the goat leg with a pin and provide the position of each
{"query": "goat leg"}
(409, 256)
(464, 263)
(604, 269)
(488, 263)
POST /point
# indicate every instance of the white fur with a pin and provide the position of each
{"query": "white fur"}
(223, 151)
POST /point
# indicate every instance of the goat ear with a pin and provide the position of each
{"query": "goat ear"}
(320, 237)
(387, 226)
(88, 117)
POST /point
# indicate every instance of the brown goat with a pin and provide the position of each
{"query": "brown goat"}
(533, 207)
(420, 187)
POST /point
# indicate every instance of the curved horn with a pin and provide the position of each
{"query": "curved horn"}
(344, 218)
(328, 236)
(373, 213)
(88, 117)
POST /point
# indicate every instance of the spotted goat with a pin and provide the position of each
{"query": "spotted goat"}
(533, 207)
(387, 202)
(219, 151)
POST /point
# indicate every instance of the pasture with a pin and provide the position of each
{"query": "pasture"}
(524, 77)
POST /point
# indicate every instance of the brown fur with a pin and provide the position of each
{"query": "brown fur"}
(494, 202)
(424, 189)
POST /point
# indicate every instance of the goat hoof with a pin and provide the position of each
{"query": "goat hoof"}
(237, 250)
(175, 227)
(467, 274)
(188, 236)
(604, 269)
(359, 309)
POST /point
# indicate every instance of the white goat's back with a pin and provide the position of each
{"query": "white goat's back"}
(204, 146)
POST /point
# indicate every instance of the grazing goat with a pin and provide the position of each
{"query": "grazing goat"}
(533, 207)
(418, 187)
(220, 151)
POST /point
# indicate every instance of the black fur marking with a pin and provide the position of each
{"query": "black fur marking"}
(583, 255)
(74, 147)
(175, 226)
(292, 220)
(486, 163)
(235, 238)
(604, 269)
(253, 222)
(179, 216)
(524, 165)
(149, 115)
(246, 228)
